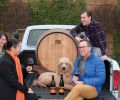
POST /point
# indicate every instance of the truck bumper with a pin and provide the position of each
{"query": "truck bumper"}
(115, 93)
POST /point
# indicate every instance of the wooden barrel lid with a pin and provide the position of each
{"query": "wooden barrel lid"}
(54, 44)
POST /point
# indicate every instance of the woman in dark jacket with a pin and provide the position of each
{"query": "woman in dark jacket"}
(11, 78)
(3, 41)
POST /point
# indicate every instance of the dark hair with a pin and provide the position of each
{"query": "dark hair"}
(88, 42)
(3, 34)
(88, 12)
(12, 43)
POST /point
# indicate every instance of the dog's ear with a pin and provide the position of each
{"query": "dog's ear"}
(69, 73)
(71, 64)
(59, 63)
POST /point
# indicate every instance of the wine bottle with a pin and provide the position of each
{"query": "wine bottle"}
(61, 86)
(53, 86)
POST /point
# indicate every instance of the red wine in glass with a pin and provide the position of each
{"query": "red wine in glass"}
(77, 74)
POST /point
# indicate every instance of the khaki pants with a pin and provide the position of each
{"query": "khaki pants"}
(79, 92)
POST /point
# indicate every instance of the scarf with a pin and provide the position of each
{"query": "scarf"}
(19, 94)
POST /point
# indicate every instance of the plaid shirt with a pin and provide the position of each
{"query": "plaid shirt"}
(95, 34)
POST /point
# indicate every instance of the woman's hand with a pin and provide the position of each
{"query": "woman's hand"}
(29, 69)
(30, 90)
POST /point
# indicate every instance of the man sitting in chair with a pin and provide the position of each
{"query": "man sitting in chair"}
(88, 74)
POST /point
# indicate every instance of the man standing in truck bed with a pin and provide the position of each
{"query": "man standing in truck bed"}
(93, 31)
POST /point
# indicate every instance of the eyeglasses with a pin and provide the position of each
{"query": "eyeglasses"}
(84, 47)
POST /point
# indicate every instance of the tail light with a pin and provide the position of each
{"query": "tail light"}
(116, 79)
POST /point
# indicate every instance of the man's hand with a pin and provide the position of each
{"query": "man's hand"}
(78, 38)
(79, 82)
(74, 79)
(104, 57)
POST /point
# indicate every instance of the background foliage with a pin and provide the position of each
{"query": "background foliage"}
(2, 6)
(116, 50)
(15, 15)
(118, 1)
(56, 11)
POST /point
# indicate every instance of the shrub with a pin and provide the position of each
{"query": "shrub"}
(116, 50)
(2, 6)
(56, 11)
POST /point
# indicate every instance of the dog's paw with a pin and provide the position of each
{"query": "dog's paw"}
(34, 83)
(38, 83)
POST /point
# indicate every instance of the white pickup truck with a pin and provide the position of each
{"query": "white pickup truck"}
(33, 33)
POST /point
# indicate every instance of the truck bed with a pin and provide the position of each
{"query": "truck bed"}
(45, 94)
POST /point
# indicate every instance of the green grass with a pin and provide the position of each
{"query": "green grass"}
(116, 49)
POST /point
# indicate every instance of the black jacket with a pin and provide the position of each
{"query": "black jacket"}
(8, 79)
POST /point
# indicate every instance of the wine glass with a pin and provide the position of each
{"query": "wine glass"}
(77, 73)
(75, 78)
(30, 61)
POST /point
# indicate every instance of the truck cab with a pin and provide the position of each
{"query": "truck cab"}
(29, 41)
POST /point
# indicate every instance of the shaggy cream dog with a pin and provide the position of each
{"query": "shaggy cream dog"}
(64, 67)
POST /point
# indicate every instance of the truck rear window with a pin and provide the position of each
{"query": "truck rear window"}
(34, 36)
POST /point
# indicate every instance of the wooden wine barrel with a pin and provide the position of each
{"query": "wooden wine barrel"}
(53, 45)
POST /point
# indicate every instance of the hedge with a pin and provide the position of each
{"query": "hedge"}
(56, 11)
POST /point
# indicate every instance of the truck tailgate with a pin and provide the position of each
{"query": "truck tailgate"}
(106, 95)
(45, 94)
